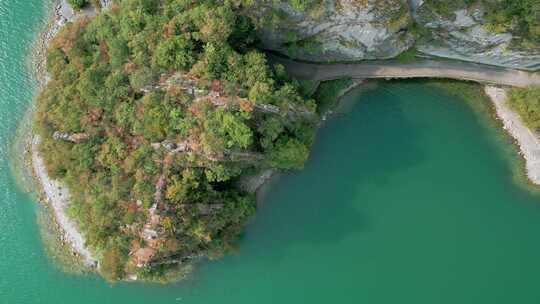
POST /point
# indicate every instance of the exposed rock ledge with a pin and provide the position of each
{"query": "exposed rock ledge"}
(528, 142)
(339, 30)
(58, 197)
(353, 30)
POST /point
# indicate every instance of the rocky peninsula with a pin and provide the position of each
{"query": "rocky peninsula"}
(152, 127)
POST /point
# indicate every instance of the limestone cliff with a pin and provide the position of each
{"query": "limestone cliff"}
(342, 30)
(337, 29)
(465, 35)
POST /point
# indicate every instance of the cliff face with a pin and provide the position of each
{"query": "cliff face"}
(463, 34)
(338, 30)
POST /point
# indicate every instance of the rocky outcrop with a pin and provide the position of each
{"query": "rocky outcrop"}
(105, 3)
(71, 137)
(216, 96)
(337, 29)
(350, 30)
(463, 35)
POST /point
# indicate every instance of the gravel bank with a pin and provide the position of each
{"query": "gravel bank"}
(58, 197)
(528, 142)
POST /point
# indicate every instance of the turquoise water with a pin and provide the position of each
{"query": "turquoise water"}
(407, 198)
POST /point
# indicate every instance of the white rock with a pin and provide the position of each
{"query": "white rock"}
(464, 36)
(341, 30)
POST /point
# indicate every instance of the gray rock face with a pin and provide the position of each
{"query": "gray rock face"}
(415, 4)
(105, 3)
(348, 30)
(463, 36)
(338, 29)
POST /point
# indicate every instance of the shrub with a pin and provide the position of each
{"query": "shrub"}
(78, 4)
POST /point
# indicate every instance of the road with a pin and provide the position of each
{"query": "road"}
(421, 68)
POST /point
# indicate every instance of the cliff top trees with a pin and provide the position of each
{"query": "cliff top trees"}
(165, 93)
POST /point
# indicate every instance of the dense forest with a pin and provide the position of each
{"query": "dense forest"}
(153, 112)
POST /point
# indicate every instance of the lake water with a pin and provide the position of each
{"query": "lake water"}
(407, 198)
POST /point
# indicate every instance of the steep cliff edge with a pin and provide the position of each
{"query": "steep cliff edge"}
(337, 29)
(346, 30)
(464, 32)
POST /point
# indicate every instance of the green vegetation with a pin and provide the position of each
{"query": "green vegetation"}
(407, 56)
(303, 5)
(447, 8)
(295, 44)
(308, 87)
(521, 17)
(153, 111)
(328, 93)
(526, 102)
(78, 4)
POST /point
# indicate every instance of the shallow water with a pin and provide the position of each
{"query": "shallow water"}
(407, 198)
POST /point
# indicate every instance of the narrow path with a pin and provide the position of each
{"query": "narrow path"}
(421, 68)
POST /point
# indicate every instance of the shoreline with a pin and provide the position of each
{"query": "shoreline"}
(52, 192)
(259, 182)
(57, 196)
(57, 15)
(340, 95)
(527, 142)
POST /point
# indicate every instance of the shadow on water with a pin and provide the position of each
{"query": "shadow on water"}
(293, 216)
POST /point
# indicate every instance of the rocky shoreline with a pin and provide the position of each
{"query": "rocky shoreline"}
(57, 195)
(60, 13)
(54, 193)
(528, 142)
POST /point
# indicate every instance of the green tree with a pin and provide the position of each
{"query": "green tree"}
(289, 153)
(78, 4)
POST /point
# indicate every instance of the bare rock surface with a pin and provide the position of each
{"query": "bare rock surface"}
(58, 197)
(463, 35)
(353, 30)
(338, 29)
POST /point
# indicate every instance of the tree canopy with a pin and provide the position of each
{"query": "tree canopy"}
(153, 112)
(527, 103)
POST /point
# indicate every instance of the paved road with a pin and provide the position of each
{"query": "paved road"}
(421, 68)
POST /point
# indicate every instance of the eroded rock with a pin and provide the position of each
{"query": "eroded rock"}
(464, 35)
(337, 30)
